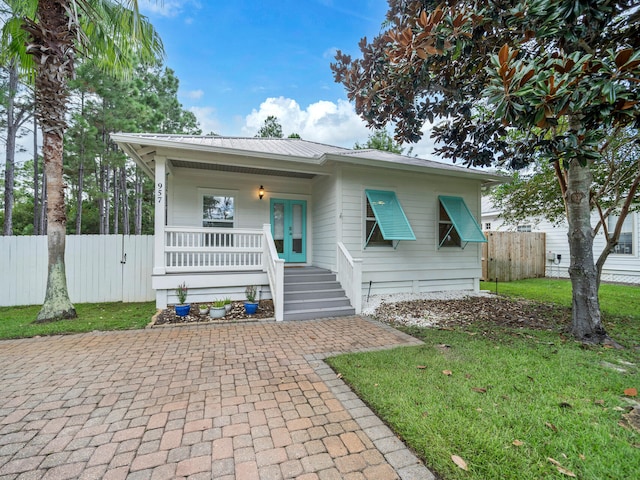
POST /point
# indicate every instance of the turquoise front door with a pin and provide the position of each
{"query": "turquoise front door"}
(289, 229)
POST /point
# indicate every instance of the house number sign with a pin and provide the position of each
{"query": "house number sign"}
(160, 192)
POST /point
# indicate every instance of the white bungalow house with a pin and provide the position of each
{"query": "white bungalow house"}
(622, 265)
(232, 212)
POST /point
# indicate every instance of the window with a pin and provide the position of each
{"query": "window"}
(372, 230)
(625, 242)
(456, 225)
(385, 221)
(523, 228)
(448, 235)
(218, 211)
(487, 226)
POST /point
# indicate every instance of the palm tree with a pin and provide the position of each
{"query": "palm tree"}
(47, 36)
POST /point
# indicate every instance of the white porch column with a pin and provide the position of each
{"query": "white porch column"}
(159, 211)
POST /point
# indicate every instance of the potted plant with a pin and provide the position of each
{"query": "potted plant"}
(203, 308)
(227, 304)
(217, 309)
(251, 306)
(182, 308)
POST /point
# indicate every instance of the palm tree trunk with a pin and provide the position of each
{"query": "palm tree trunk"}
(56, 303)
(52, 47)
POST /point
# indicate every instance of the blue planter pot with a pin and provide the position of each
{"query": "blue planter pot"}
(182, 310)
(250, 307)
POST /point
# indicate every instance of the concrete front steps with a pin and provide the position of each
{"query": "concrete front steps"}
(312, 292)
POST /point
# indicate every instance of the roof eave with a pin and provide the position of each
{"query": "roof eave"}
(485, 177)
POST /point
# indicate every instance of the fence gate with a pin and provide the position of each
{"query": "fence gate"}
(511, 256)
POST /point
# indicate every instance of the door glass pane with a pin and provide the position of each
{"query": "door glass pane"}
(278, 226)
(296, 228)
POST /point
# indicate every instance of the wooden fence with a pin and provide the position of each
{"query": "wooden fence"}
(511, 256)
(100, 268)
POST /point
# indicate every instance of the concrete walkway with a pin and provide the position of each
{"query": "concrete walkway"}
(243, 401)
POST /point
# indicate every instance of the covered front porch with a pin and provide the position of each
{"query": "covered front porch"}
(222, 262)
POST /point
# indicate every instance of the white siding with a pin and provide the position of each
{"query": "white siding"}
(415, 266)
(324, 222)
(186, 186)
(617, 268)
(93, 266)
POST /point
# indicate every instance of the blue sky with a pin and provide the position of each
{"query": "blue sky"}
(239, 61)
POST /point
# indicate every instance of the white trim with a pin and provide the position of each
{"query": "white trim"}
(160, 203)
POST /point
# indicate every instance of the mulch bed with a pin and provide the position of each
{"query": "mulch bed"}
(237, 314)
(499, 311)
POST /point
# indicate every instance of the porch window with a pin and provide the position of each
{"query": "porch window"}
(218, 211)
(456, 225)
(625, 242)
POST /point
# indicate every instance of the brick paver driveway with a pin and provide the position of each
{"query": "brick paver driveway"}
(244, 401)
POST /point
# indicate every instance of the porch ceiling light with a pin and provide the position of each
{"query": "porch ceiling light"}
(261, 192)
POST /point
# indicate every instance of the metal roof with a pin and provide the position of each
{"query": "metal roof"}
(142, 147)
(294, 147)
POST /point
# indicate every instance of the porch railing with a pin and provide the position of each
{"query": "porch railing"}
(349, 275)
(274, 266)
(193, 249)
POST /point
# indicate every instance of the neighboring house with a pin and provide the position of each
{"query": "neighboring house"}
(232, 212)
(623, 265)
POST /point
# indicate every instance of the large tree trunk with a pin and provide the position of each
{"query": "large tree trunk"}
(56, 302)
(9, 173)
(52, 48)
(586, 324)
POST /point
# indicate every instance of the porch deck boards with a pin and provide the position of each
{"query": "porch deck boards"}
(312, 292)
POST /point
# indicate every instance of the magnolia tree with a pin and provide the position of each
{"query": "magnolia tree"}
(563, 73)
(616, 175)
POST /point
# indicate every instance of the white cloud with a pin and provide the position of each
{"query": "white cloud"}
(167, 8)
(195, 94)
(333, 123)
(330, 53)
(207, 119)
(323, 121)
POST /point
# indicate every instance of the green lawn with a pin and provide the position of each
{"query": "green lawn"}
(18, 322)
(619, 304)
(514, 399)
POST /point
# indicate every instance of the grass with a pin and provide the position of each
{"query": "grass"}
(618, 303)
(514, 399)
(18, 322)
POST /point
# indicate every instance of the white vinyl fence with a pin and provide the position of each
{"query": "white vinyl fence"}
(100, 268)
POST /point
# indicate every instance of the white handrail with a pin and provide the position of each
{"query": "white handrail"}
(349, 275)
(274, 266)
